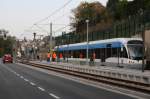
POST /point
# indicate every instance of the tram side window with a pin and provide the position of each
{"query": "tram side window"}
(84, 53)
(117, 52)
(71, 54)
(124, 53)
(114, 52)
(75, 54)
(97, 52)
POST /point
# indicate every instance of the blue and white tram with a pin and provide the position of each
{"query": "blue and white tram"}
(123, 51)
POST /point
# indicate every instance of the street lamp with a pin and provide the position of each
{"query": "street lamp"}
(87, 47)
(34, 53)
(68, 37)
(143, 37)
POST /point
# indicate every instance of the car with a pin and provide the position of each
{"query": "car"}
(7, 58)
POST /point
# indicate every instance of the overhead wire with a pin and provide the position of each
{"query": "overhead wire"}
(56, 11)
(61, 28)
(53, 13)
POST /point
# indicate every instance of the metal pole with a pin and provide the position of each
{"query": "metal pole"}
(87, 49)
(143, 37)
(34, 52)
(14, 52)
(67, 47)
(143, 60)
(50, 39)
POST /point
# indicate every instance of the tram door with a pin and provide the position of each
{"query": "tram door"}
(103, 54)
(108, 50)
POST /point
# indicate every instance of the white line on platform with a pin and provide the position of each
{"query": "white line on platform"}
(53, 95)
(42, 89)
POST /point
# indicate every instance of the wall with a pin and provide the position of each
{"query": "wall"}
(147, 44)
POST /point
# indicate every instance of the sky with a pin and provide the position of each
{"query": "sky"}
(23, 17)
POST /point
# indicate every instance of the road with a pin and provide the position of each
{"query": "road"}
(20, 82)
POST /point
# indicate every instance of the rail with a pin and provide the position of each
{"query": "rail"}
(134, 82)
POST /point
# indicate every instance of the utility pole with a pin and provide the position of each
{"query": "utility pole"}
(143, 37)
(34, 52)
(14, 51)
(51, 39)
(141, 12)
(87, 49)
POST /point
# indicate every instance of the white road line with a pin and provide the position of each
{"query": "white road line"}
(26, 80)
(33, 84)
(53, 95)
(21, 77)
(17, 74)
(42, 89)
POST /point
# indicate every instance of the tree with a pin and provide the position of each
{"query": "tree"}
(6, 45)
(112, 6)
(122, 9)
(117, 9)
(95, 12)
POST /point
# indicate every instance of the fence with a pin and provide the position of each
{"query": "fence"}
(132, 26)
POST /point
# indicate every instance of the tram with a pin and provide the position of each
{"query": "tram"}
(123, 51)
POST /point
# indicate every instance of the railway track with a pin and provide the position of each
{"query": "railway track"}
(132, 85)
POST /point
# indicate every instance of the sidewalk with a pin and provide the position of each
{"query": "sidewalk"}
(104, 68)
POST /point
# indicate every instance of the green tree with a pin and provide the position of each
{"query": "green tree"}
(95, 12)
(6, 45)
(118, 9)
(112, 6)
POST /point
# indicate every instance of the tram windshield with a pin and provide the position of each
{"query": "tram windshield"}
(135, 51)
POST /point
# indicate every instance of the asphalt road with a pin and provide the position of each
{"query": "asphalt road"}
(19, 82)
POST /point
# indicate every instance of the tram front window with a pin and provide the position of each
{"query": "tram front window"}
(135, 51)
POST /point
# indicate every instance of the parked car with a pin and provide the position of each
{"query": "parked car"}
(7, 58)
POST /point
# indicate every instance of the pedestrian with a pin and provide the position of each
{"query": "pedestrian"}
(94, 56)
(38, 57)
(54, 57)
(81, 55)
(60, 56)
(48, 56)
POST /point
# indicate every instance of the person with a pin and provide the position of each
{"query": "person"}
(81, 55)
(94, 56)
(60, 56)
(38, 57)
(54, 57)
(48, 56)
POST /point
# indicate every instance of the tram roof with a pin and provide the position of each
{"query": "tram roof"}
(116, 42)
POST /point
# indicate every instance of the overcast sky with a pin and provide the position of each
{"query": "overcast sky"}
(17, 16)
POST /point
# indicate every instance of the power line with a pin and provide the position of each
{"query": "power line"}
(41, 28)
(53, 24)
(56, 11)
(61, 28)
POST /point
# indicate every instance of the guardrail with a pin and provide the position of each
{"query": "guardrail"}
(132, 81)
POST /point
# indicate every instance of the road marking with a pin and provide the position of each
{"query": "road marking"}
(42, 89)
(26, 80)
(53, 95)
(17, 74)
(33, 84)
(21, 77)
